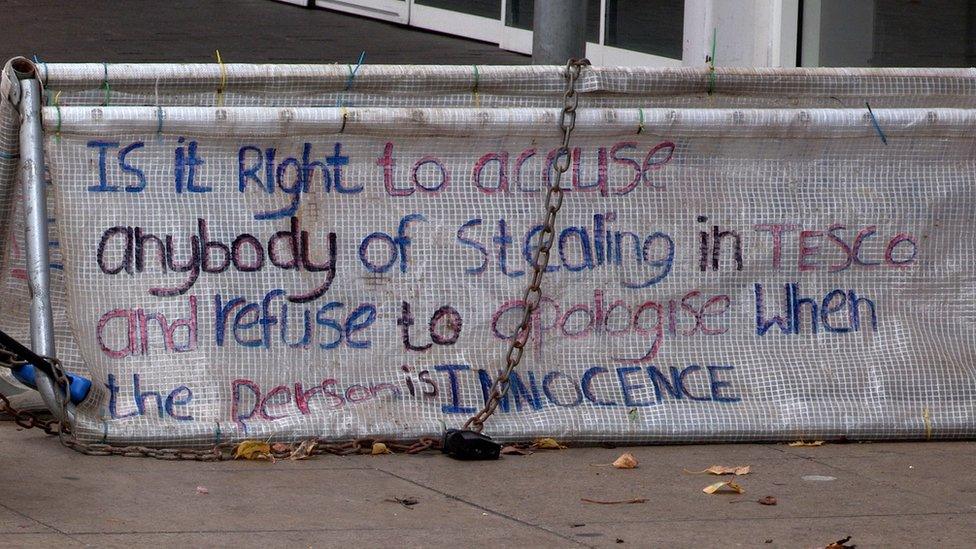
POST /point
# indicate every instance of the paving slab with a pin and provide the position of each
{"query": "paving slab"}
(882, 494)
(17, 523)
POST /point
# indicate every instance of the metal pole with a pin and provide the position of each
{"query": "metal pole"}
(36, 229)
(558, 31)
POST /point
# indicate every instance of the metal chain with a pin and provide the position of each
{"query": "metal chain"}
(540, 260)
(23, 418)
(219, 452)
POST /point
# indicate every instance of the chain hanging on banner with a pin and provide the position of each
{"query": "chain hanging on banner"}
(540, 260)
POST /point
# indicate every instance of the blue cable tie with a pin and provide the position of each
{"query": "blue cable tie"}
(353, 71)
(877, 126)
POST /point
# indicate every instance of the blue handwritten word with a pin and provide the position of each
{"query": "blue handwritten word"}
(396, 247)
(579, 248)
(822, 312)
(251, 161)
(185, 164)
(180, 396)
(124, 165)
(251, 325)
(621, 386)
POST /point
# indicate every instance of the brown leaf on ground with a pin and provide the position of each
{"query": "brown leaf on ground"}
(723, 470)
(768, 500)
(811, 443)
(841, 544)
(727, 486)
(614, 502)
(625, 461)
(379, 448)
(407, 502)
(515, 451)
(280, 447)
(304, 450)
(253, 450)
(548, 443)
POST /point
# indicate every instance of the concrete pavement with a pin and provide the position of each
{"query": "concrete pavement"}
(882, 494)
(890, 494)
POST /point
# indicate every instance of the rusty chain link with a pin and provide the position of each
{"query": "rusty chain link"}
(224, 451)
(540, 260)
(219, 452)
(24, 418)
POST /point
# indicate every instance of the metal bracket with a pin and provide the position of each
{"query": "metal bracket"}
(17, 69)
(9, 86)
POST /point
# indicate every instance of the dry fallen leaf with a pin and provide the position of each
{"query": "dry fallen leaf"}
(625, 461)
(723, 470)
(768, 500)
(727, 486)
(380, 448)
(407, 502)
(841, 544)
(811, 443)
(548, 444)
(253, 449)
(515, 451)
(614, 502)
(304, 450)
(280, 447)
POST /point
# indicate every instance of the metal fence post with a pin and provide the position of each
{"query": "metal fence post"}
(36, 229)
(558, 31)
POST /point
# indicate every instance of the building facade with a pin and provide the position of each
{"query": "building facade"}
(674, 33)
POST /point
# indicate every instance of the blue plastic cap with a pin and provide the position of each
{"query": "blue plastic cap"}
(79, 386)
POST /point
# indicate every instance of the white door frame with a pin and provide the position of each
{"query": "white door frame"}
(456, 23)
(397, 11)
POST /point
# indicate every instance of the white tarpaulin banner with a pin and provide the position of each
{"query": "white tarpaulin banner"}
(722, 271)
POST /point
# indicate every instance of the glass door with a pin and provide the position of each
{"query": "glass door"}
(390, 10)
(477, 19)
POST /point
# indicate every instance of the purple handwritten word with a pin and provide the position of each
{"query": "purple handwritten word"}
(133, 250)
(503, 172)
(650, 321)
(849, 247)
(135, 325)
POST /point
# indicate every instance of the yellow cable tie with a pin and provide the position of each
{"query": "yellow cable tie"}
(474, 89)
(219, 99)
(57, 107)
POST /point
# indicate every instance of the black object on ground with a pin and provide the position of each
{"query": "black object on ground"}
(469, 445)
